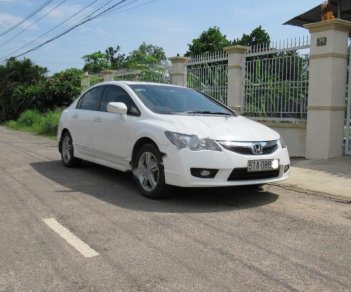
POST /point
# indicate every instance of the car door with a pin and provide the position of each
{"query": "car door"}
(82, 119)
(111, 130)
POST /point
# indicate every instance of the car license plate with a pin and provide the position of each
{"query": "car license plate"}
(262, 165)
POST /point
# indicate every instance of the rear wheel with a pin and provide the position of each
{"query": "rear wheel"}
(67, 152)
(149, 172)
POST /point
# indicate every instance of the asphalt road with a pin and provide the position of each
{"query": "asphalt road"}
(198, 240)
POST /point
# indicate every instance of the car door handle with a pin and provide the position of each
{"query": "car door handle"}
(75, 116)
(98, 120)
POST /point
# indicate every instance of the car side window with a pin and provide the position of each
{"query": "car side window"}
(118, 94)
(90, 100)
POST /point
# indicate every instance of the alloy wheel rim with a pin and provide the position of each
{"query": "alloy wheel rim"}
(148, 171)
(66, 149)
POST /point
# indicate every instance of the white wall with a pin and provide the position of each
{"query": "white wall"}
(294, 136)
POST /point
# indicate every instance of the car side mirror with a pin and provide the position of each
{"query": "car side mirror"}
(117, 108)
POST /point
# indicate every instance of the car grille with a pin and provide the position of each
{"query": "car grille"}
(243, 174)
(250, 148)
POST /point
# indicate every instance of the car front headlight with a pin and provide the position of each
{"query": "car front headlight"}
(192, 142)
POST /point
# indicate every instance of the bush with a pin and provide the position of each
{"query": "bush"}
(29, 118)
(63, 88)
(33, 121)
(50, 123)
(41, 94)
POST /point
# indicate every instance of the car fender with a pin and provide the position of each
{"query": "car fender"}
(155, 134)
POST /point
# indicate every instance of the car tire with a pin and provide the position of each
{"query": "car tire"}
(149, 174)
(67, 152)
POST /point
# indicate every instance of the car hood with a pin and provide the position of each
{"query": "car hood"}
(219, 128)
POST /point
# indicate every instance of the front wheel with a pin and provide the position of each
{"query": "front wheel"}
(149, 172)
(67, 152)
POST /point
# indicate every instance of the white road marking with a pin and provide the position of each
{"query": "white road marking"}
(73, 240)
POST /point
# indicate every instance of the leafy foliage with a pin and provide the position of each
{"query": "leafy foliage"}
(257, 37)
(62, 88)
(146, 54)
(115, 59)
(24, 85)
(15, 73)
(37, 122)
(147, 63)
(211, 40)
(96, 62)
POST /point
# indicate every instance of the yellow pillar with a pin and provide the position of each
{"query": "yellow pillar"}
(236, 58)
(327, 84)
(179, 70)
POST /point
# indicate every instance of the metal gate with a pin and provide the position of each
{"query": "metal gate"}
(348, 112)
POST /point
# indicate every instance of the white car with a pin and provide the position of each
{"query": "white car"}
(169, 136)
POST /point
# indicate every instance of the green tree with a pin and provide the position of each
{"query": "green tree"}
(13, 74)
(147, 63)
(56, 91)
(115, 59)
(257, 37)
(208, 77)
(146, 54)
(62, 88)
(212, 40)
(96, 62)
(22, 71)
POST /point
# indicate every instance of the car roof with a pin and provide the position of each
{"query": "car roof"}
(135, 83)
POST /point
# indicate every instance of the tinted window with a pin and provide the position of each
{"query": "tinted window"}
(117, 94)
(90, 100)
(177, 100)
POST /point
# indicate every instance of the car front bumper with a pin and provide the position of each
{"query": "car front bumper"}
(178, 165)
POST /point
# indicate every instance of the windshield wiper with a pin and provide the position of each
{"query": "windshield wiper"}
(209, 113)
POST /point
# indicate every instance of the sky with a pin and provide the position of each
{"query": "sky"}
(170, 24)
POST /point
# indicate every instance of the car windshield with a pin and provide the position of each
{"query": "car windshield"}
(164, 99)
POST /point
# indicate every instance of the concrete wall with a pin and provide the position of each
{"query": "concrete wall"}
(294, 135)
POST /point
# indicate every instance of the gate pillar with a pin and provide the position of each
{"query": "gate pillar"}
(326, 95)
(179, 70)
(236, 59)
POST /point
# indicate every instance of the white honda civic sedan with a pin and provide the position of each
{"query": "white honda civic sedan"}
(169, 136)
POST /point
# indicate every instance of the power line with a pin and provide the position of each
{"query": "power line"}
(87, 19)
(31, 24)
(91, 16)
(27, 17)
(56, 26)
(114, 12)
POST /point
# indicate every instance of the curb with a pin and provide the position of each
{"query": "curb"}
(337, 198)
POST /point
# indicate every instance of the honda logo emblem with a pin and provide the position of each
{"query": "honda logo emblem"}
(257, 148)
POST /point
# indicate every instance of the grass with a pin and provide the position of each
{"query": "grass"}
(35, 122)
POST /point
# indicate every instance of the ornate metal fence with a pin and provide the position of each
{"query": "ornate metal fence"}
(208, 73)
(276, 80)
